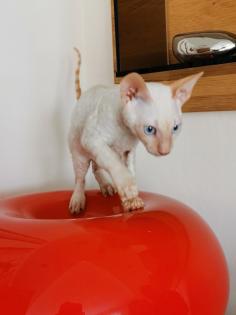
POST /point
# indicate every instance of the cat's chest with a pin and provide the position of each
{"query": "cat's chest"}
(124, 142)
(116, 134)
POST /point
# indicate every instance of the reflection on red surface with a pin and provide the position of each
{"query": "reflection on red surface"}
(161, 260)
(71, 308)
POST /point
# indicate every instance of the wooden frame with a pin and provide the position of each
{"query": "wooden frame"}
(216, 90)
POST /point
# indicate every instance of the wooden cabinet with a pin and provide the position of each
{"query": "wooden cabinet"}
(217, 89)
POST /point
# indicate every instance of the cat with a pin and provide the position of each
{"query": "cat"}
(107, 124)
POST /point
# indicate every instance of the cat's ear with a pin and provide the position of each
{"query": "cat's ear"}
(182, 89)
(133, 85)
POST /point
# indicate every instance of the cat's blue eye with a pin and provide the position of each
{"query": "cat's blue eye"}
(175, 128)
(149, 130)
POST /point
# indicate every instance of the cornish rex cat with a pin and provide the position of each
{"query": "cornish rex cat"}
(107, 124)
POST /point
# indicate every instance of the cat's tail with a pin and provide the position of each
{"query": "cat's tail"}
(77, 72)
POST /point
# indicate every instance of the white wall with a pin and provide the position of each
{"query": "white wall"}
(37, 95)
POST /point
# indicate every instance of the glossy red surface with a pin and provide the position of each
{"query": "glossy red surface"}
(163, 260)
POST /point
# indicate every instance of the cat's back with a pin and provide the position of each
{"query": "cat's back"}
(101, 94)
(99, 97)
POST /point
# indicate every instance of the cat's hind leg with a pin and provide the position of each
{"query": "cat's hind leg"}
(81, 165)
(104, 180)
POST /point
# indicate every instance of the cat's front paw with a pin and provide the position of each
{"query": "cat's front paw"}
(128, 190)
(108, 190)
(132, 204)
(77, 203)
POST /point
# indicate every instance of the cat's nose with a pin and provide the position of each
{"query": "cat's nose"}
(164, 153)
(165, 146)
(164, 149)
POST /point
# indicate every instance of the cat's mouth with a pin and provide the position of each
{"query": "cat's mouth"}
(157, 153)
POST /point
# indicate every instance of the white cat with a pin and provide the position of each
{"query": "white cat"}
(107, 124)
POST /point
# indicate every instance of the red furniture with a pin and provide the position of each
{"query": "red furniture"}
(164, 260)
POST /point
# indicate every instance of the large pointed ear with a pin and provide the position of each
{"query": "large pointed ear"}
(182, 89)
(133, 85)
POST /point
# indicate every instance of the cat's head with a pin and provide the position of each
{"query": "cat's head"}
(153, 111)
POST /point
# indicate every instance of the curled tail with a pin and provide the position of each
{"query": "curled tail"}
(77, 72)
